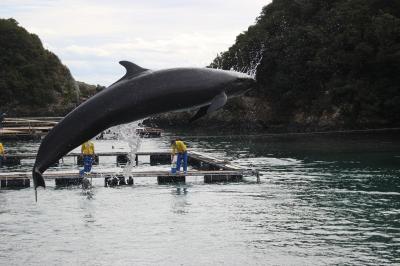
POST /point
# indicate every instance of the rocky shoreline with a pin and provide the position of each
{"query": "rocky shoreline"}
(252, 114)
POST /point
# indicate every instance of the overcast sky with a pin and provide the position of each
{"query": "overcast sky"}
(90, 37)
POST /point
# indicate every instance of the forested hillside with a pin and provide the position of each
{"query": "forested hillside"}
(32, 79)
(333, 63)
(322, 65)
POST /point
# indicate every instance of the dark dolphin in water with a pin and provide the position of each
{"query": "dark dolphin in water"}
(137, 95)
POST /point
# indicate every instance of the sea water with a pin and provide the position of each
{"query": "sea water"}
(322, 200)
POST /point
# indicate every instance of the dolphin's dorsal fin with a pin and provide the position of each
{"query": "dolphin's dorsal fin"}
(132, 70)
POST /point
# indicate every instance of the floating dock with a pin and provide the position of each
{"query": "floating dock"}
(148, 132)
(22, 156)
(15, 159)
(26, 128)
(212, 169)
(12, 134)
(31, 128)
(31, 121)
(71, 177)
(122, 157)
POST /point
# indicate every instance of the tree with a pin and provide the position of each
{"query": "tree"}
(337, 60)
(32, 80)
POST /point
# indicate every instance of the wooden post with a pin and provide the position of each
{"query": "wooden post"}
(15, 183)
(122, 159)
(222, 178)
(68, 181)
(176, 179)
(160, 159)
(12, 160)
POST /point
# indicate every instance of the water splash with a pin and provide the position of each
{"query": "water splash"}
(250, 68)
(255, 62)
(127, 133)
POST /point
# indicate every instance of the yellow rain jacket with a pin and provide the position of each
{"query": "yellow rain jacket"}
(1, 149)
(87, 148)
(179, 147)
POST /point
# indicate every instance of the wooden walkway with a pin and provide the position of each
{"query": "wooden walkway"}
(213, 170)
(162, 156)
(25, 128)
(30, 128)
(117, 178)
(71, 154)
(30, 122)
(102, 173)
(195, 158)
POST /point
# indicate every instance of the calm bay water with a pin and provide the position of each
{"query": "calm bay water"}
(322, 200)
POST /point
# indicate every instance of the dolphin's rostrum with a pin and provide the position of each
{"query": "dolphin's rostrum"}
(137, 95)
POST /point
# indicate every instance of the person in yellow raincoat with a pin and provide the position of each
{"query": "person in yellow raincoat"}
(2, 154)
(88, 154)
(179, 148)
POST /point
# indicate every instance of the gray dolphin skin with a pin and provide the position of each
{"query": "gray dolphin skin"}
(137, 95)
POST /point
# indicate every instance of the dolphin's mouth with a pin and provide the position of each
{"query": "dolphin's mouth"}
(243, 86)
(248, 90)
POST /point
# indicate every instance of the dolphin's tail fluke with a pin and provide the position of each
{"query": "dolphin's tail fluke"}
(38, 180)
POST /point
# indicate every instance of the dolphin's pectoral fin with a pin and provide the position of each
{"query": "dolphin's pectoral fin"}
(200, 113)
(217, 102)
(132, 70)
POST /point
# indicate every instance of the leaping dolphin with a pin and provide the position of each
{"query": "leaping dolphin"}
(140, 93)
